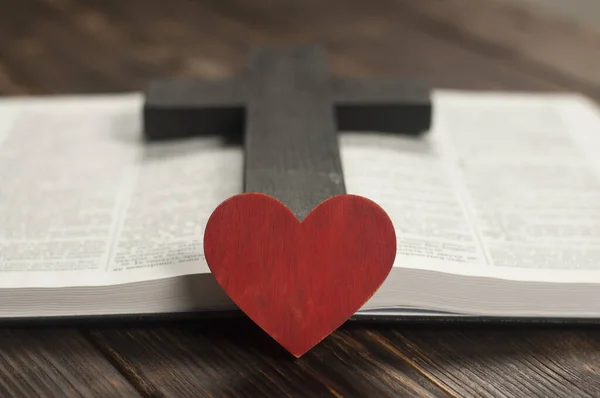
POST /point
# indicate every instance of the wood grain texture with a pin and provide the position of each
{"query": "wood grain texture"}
(394, 104)
(177, 108)
(51, 363)
(503, 362)
(291, 149)
(235, 358)
(68, 46)
(546, 42)
(299, 281)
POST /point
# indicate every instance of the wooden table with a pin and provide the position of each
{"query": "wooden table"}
(69, 46)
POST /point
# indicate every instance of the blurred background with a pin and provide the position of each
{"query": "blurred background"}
(90, 46)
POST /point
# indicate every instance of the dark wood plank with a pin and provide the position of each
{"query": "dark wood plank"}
(54, 56)
(8, 84)
(56, 363)
(143, 41)
(290, 145)
(517, 38)
(401, 105)
(178, 39)
(385, 39)
(505, 362)
(234, 358)
(556, 44)
(175, 107)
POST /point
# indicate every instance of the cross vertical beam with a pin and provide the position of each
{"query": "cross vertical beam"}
(291, 144)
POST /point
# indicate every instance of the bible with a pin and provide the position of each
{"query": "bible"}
(496, 210)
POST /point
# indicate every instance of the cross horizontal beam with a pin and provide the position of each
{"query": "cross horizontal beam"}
(288, 110)
(185, 107)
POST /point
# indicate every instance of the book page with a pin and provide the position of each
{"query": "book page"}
(178, 185)
(85, 201)
(503, 186)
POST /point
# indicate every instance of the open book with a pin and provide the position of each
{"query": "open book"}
(496, 209)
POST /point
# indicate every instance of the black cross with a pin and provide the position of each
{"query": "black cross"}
(289, 111)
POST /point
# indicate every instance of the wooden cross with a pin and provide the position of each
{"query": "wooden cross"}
(289, 110)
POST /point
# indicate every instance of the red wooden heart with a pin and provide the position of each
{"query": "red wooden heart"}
(299, 281)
